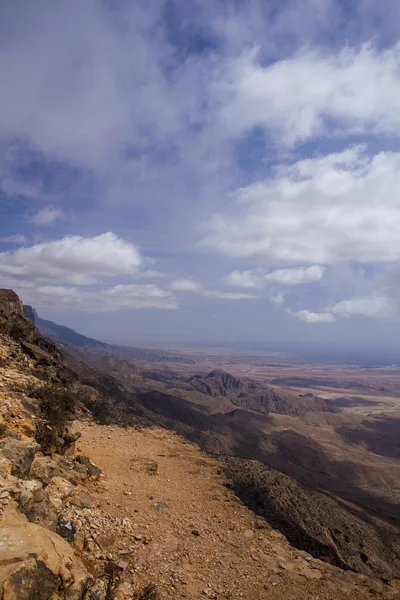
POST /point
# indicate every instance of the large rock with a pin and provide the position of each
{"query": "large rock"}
(80, 497)
(88, 467)
(37, 564)
(40, 509)
(44, 468)
(20, 454)
(59, 488)
(10, 304)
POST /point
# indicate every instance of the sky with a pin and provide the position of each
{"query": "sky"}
(222, 173)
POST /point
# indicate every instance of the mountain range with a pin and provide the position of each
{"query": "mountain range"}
(295, 459)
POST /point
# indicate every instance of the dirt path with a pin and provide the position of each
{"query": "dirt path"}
(192, 537)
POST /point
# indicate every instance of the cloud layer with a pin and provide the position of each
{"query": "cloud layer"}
(72, 259)
(230, 152)
(344, 89)
(341, 206)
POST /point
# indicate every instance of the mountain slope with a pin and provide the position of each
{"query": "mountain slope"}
(218, 391)
(200, 540)
(308, 447)
(69, 336)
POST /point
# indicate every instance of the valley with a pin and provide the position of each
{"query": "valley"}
(328, 433)
(270, 460)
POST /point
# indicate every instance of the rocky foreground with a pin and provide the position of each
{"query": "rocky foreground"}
(91, 511)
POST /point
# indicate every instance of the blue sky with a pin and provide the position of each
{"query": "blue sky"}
(204, 172)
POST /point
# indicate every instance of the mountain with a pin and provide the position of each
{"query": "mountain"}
(252, 395)
(303, 470)
(217, 391)
(66, 335)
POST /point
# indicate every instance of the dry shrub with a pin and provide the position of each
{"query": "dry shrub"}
(103, 586)
(56, 407)
(148, 593)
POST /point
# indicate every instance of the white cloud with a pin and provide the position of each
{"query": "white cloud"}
(73, 259)
(296, 276)
(376, 306)
(228, 295)
(87, 86)
(257, 278)
(186, 285)
(278, 299)
(47, 216)
(246, 279)
(296, 98)
(14, 239)
(61, 298)
(313, 317)
(343, 206)
(124, 105)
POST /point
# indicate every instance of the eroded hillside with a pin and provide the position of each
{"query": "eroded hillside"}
(94, 492)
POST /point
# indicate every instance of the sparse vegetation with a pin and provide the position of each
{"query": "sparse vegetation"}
(148, 593)
(106, 584)
(56, 405)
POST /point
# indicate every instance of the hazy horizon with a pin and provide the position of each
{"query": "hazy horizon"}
(307, 350)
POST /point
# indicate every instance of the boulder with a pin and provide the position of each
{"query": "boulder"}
(44, 468)
(80, 497)
(37, 564)
(21, 455)
(41, 511)
(42, 506)
(29, 488)
(91, 469)
(59, 488)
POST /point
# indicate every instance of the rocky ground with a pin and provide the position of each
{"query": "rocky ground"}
(138, 510)
(166, 511)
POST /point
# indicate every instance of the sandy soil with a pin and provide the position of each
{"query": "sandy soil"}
(194, 538)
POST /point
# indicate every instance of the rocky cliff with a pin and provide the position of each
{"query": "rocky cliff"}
(42, 476)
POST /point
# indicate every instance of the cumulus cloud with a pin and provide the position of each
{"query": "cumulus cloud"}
(342, 206)
(313, 317)
(126, 102)
(296, 276)
(47, 216)
(259, 277)
(73, 259)
(297, 98)
(60, 298)
(186, 285)
(246, 279)
(376, 306)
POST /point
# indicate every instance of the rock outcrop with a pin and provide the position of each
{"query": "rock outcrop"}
(251, 395)
(36, 563)
(10, 304)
